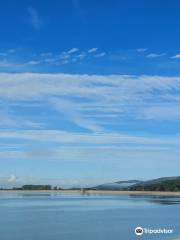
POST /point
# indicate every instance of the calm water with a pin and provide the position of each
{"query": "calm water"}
(77, 217)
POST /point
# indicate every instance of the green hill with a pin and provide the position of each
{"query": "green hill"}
(171, 184)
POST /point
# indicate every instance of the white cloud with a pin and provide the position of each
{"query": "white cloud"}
(65, 55)
(73, 50)
(34, 18)
(6, 120)
(64, 62)
(9, 120)
(73, 55)
(73, 113)
(141, 49)
(50, 60)
(161, 112)
(88, 139)
(87, 97)
(92, 103)
(81, 56)
(155, 55)
(12, 178)
(8, 180)
(176, 56)
(37, 85)
(100, 54)
(117, 160)
(92, 50)
(34, 62)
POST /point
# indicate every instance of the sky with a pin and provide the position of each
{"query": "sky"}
(89, 91)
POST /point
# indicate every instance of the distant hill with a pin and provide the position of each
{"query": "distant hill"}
(120, 185)
(159, 184)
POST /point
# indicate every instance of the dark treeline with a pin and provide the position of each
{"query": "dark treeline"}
(31, 187)
(166, 185)
(36, 187)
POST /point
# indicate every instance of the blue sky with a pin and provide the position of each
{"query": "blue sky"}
(89, 91)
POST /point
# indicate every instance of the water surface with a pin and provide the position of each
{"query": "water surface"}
(56, 216)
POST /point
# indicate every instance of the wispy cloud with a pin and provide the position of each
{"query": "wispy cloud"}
(81, 56)
(72, 56)
(64, 62)
(102, 54)
(73, 113)
(73, 50)
(90, 139)
(34, 18)
(9, 120)
(34, 62)
(83, 99)
(92, 50)
(155, 55)
(141, 49)
(176, 56)
(86, 120)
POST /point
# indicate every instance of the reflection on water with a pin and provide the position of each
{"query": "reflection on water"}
(56, 216)
(167, 200)
(34, 194)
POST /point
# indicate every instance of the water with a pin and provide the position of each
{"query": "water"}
(54, 216)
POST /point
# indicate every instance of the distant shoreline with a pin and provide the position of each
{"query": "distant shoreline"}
(103, 192)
